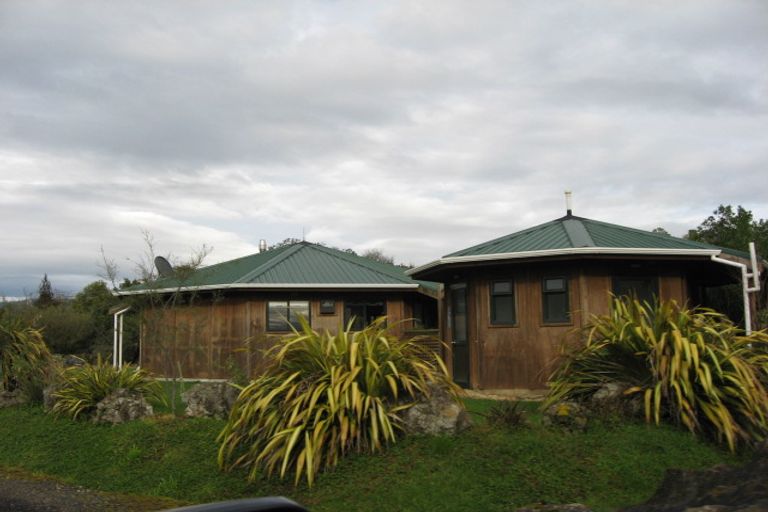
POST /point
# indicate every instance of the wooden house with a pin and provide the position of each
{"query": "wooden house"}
(511, 303)
(217, 321)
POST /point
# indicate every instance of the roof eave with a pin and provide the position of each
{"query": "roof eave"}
(275, 286)
(563, 252)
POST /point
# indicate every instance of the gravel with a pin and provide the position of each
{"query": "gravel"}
(21, 493)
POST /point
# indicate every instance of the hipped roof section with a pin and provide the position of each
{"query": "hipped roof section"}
(302, 265)
(572, 235)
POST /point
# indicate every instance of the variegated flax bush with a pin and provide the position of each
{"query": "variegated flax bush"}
(81, 388)
(324, 395)
(24, 358)
(692, 367)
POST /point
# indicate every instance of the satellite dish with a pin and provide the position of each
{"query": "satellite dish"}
(164, 267)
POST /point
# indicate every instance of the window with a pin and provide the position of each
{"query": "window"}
(555, 300)
(641, 288)
(281, 315)
(327, 307)
(503, 303)
(363, 313)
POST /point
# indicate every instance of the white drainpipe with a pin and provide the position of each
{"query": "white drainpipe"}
(117, 343)
(745, 288)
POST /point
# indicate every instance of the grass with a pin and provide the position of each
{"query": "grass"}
(607, 466)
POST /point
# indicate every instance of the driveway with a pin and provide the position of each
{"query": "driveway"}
(21, 492)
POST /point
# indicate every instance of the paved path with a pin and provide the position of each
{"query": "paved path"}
(20, 493)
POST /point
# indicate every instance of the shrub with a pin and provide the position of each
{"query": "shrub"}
(690, 366)
(507, 414)
(67, 330)
(81, 388)
(24, 358)
(325, 395)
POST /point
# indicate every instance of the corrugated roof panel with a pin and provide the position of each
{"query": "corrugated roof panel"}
(551, 235)
(583, 233)
(301, 263)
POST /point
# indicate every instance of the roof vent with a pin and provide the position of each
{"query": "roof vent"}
(262, 245)
(568, 205)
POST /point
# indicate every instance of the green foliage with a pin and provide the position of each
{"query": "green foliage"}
(735, 229)
(82, 387)
(506, 414)
(66, 329)
(324, 396)
(95, 301)
(24, 358)
(496, 470)
(45, 296)
(690, 366)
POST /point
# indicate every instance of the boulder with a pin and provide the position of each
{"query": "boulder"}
(120, 406)
(49, 400)
(610, 399)
(567, 415)
(721, 488)
(10, 398)
(436, 414)
(210, 399)
(568, 507)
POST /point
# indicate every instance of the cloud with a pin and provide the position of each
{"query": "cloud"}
(418, 128)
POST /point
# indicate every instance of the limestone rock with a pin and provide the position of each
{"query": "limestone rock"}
(10, 398)
(610, 399)
(49, 400)
(568, 507)
(120, 406)
(436, 414)
(722, 488)
(210, 399)
(567, 415)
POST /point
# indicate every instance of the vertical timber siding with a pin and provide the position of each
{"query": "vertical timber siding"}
(216, 339)
(523, 356)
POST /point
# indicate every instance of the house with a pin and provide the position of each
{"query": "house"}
(510, 303)
(217, 320)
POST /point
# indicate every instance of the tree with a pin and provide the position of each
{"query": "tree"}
(378, 255)
(45, 295)
(661, 231)
(727, 227)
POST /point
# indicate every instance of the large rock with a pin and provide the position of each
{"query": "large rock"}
(567, 415)
(120, 406)
(436, 414)
(49, 396)
(610, 399)
(10, 398)
(568, 507)
(721, 488)
(210, 399)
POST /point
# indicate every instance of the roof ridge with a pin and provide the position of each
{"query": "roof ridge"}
(292, 249)
(367, 263)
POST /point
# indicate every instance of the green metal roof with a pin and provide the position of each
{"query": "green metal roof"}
(296, 266)
(571, 232)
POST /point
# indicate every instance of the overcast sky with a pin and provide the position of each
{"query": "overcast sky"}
(418, 128)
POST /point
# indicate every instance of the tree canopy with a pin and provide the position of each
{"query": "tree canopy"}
(734, 228)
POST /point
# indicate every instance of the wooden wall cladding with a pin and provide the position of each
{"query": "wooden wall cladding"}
(216, 339)
(524, 355)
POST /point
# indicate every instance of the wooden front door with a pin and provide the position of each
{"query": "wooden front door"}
(459, 334)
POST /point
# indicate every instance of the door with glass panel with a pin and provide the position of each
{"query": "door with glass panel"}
(459, 333)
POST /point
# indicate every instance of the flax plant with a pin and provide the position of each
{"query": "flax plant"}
(326, 395)
(83, 387)
(691, 367)
(24, 357)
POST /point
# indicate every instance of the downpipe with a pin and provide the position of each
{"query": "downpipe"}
(746, 289)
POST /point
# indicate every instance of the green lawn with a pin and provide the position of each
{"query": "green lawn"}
(484, 469)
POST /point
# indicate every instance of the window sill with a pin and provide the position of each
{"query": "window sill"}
(557, 324)
(503, 326)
